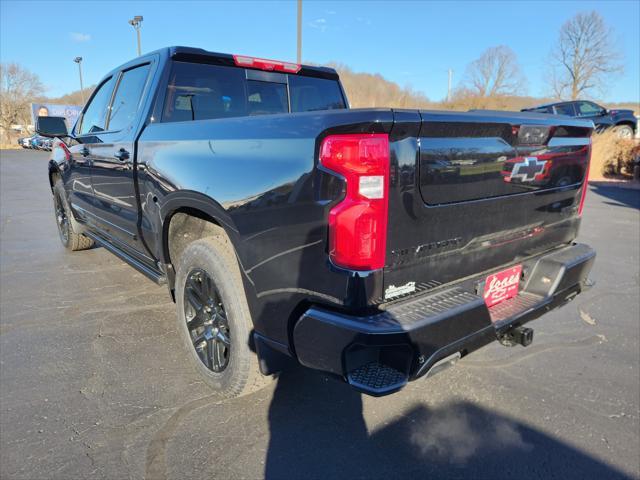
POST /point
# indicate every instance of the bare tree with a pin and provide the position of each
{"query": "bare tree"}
(583, 58)
(18, 87)
(495, 73)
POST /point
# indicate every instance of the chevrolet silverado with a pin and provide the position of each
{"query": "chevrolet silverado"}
(376, 245)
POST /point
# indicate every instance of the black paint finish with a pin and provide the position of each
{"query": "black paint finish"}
(452, 214)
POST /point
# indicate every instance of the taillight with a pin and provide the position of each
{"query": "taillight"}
(358, 224)
(263, 64)
(585, 184)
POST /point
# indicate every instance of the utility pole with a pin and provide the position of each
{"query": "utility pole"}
(449, 86)
(78, 60)
(299, 57)
(136, 22)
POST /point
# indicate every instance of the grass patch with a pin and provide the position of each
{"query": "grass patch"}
(612, 157)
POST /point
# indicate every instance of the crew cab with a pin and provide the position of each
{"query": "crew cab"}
(376, 245)
(623, 121)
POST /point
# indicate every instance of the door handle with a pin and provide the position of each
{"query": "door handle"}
(121, 155)
(85, 152)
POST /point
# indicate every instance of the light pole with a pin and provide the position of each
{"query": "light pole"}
(78, 60)
(136, 22)
(299, 56)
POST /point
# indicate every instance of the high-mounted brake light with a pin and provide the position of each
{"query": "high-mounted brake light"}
(358, 224)
(585, 184)
(263, 64)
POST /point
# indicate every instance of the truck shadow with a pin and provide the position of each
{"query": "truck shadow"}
(618, 197)
(318, 430)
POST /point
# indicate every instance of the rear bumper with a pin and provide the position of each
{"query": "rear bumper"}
(379, 353)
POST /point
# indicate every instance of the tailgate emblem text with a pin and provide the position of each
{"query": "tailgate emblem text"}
(394, 291)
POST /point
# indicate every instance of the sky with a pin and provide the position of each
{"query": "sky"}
(412, 43)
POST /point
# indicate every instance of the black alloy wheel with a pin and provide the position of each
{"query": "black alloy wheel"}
(207, 321)
(61, 219)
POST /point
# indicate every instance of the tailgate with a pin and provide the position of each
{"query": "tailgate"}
(471, 192)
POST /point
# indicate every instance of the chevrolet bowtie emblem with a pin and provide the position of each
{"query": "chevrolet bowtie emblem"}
(527, 170)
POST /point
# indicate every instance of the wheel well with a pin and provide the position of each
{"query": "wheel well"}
(53, 175)
(184, 226)
(627, 123)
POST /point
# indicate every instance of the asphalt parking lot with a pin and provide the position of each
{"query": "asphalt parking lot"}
(94, 384)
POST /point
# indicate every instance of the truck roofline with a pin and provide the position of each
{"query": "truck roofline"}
(200, 55)
(206, 56)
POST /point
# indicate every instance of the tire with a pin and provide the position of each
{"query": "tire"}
(208, 276)
(71, 240)
(624, 131)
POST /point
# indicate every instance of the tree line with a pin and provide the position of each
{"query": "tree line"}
(581, 65)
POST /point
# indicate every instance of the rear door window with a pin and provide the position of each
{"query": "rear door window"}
(565, 109)
(127, 98)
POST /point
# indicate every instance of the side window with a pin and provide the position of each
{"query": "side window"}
(565, 109)
(588, 109)
(127, 97)
(94, 117)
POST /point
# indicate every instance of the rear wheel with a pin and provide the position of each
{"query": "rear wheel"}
(70, 239)
(214, 320)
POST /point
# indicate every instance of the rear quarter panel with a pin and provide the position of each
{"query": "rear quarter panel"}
(256, 177)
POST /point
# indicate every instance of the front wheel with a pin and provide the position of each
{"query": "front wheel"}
(624, 131)
(214, 320)
(70, 239)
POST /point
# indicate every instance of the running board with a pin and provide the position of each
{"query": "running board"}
(148, 272)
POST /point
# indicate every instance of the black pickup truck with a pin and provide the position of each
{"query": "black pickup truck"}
(378, 245)
(624, 122)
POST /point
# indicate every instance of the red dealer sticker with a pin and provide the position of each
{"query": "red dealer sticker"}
(502, 285)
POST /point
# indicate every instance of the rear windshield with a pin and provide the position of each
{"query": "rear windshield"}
(199, 92)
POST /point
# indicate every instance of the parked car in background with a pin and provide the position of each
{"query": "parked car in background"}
(624, 121)
(37, 142)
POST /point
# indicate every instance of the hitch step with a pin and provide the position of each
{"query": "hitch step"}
(376, 378)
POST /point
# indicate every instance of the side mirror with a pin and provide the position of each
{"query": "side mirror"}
(604, 112)
(52, 127)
